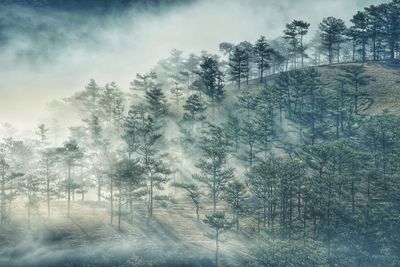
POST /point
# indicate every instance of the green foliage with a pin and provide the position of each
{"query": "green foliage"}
(156, 103)
(214, 173)
(331, 33)
(211, 80)
(194, 108)
(238, 63)
(282, 253)
(263, 53)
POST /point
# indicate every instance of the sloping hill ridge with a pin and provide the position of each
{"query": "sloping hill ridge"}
(384, 89)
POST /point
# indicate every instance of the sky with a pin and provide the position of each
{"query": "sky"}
(49, 53)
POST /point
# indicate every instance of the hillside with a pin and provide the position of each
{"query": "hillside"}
(174, 235)
(201, 133)
(384, 89)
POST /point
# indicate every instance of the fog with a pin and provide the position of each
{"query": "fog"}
(50, 53)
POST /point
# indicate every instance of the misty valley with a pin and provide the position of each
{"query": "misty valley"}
(277, 148)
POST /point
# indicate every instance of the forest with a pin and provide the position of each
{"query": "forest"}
(272, 152)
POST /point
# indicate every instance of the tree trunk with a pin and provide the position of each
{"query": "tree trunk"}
(69, 190)
(119, 208)
(197, 212)
(29, 211)
(3, 195)
(261, 70)
(111, 200)
(48, 188)
(216, 247)
(98, 189)
(237, 220)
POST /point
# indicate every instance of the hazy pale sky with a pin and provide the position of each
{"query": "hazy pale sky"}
(53, 54)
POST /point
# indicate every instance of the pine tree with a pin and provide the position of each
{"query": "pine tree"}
(131, 128)
(155, 170)
(238, 65)
(144, 82)
(48, 160)
(219, 223)
(294, 33)
(88, 100)
(226, 48)
(156, 103)
(70, 153)
(129, 181)
(263, 56)
(30, 186)
(194, 108)
(193, 193)
(8, 175)
(213, 171)
(177, 93)
(250, 58)
(356, 79)
(263, 179)
(359, 33)
(211, 79)
(233, 130)
(331, 33)
(235, 194)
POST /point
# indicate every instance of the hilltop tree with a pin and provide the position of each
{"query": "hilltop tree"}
(263, 56)
(392, 19)
(226, 48)
(238, 64)
(250, 58)
(294, 33)
(211, 80)
(375, 18)
(358, 32)
(190, 66)
(331, 33)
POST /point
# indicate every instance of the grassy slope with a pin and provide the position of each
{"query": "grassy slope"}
(385, 89)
